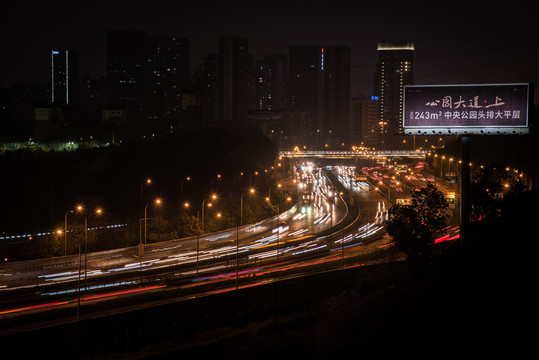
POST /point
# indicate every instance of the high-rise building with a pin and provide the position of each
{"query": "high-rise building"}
(64, 77)
(168, 78)
(320, 89)
(206, 88)
(306, 89)
(336, 94)
(146, 78)
(394, 70)
(268, 94)
(94, 93)
(127, 71)
(271, 77)
(364, 115)
(233, 71)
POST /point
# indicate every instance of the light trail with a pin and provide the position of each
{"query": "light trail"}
(56, 304)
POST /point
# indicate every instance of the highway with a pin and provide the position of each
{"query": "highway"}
(396, 186)
(335, 219)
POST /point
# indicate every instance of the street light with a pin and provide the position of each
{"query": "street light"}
(342, 236)
(65, 231)
(188, 178)
(78, 208)
(213, 197)
(157, 203)
(148, 182)
(97, 212)
(251, 191)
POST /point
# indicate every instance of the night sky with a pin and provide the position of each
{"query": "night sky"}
(454, 42)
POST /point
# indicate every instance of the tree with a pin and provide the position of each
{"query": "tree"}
(187, 225)
(412, 226)
(490, 185)
(158, 229)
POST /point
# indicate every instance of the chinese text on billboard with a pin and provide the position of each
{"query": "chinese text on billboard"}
(466, 109)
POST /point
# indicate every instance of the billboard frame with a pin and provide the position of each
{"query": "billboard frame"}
(467, 129)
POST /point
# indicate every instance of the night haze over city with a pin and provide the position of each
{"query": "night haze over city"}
(256, 180)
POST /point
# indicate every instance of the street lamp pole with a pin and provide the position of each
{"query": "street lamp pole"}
(65, 231)
(251, 191)
(157, 202)
(342, 236)
(98, 212)
(213, 197)
(85, 247)
(79, 208)
(78, 287)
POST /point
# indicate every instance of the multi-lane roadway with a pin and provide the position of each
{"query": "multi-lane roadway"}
(335, 215)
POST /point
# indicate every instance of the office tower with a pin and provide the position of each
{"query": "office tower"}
(320, 87)
(168, 77)
(394, 70)
(337, 94)
(127, 71)
(268, 94)
(94, 93)
(306, 90)
(205, 87)
(270, 83)
(17, 108)
(64, 77)
(364, 115)
(233, 70)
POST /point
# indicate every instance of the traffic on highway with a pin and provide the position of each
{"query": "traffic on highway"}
(340, 211)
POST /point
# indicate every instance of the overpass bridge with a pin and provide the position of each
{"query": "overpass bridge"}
(339, 154)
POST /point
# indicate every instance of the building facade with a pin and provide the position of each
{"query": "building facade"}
(168, 78)
(306, 100)
(127, 72)
(233, 79)
(336, 94)
(146, 77)
(364, 122)
(64, 77)
(394, 70)
(320, 91)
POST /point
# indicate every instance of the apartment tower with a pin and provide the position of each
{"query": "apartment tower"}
(394, 70)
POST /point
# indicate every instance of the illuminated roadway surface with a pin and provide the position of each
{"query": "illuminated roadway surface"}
(296, 243)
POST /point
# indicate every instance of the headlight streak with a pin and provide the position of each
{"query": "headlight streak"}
(93, 287)
(290, 243)
(323, 218)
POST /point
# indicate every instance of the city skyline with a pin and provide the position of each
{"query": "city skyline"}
(479, 45)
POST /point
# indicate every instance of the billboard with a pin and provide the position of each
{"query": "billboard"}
(486, 109)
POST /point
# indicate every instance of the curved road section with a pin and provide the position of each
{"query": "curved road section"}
(335, 219)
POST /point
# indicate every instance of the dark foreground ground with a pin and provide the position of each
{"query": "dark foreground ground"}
(474, 300)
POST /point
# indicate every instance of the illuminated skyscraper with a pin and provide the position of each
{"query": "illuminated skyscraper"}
(394, 70)
(64, 77)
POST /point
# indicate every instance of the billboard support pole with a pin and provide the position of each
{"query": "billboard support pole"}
(465, 141)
